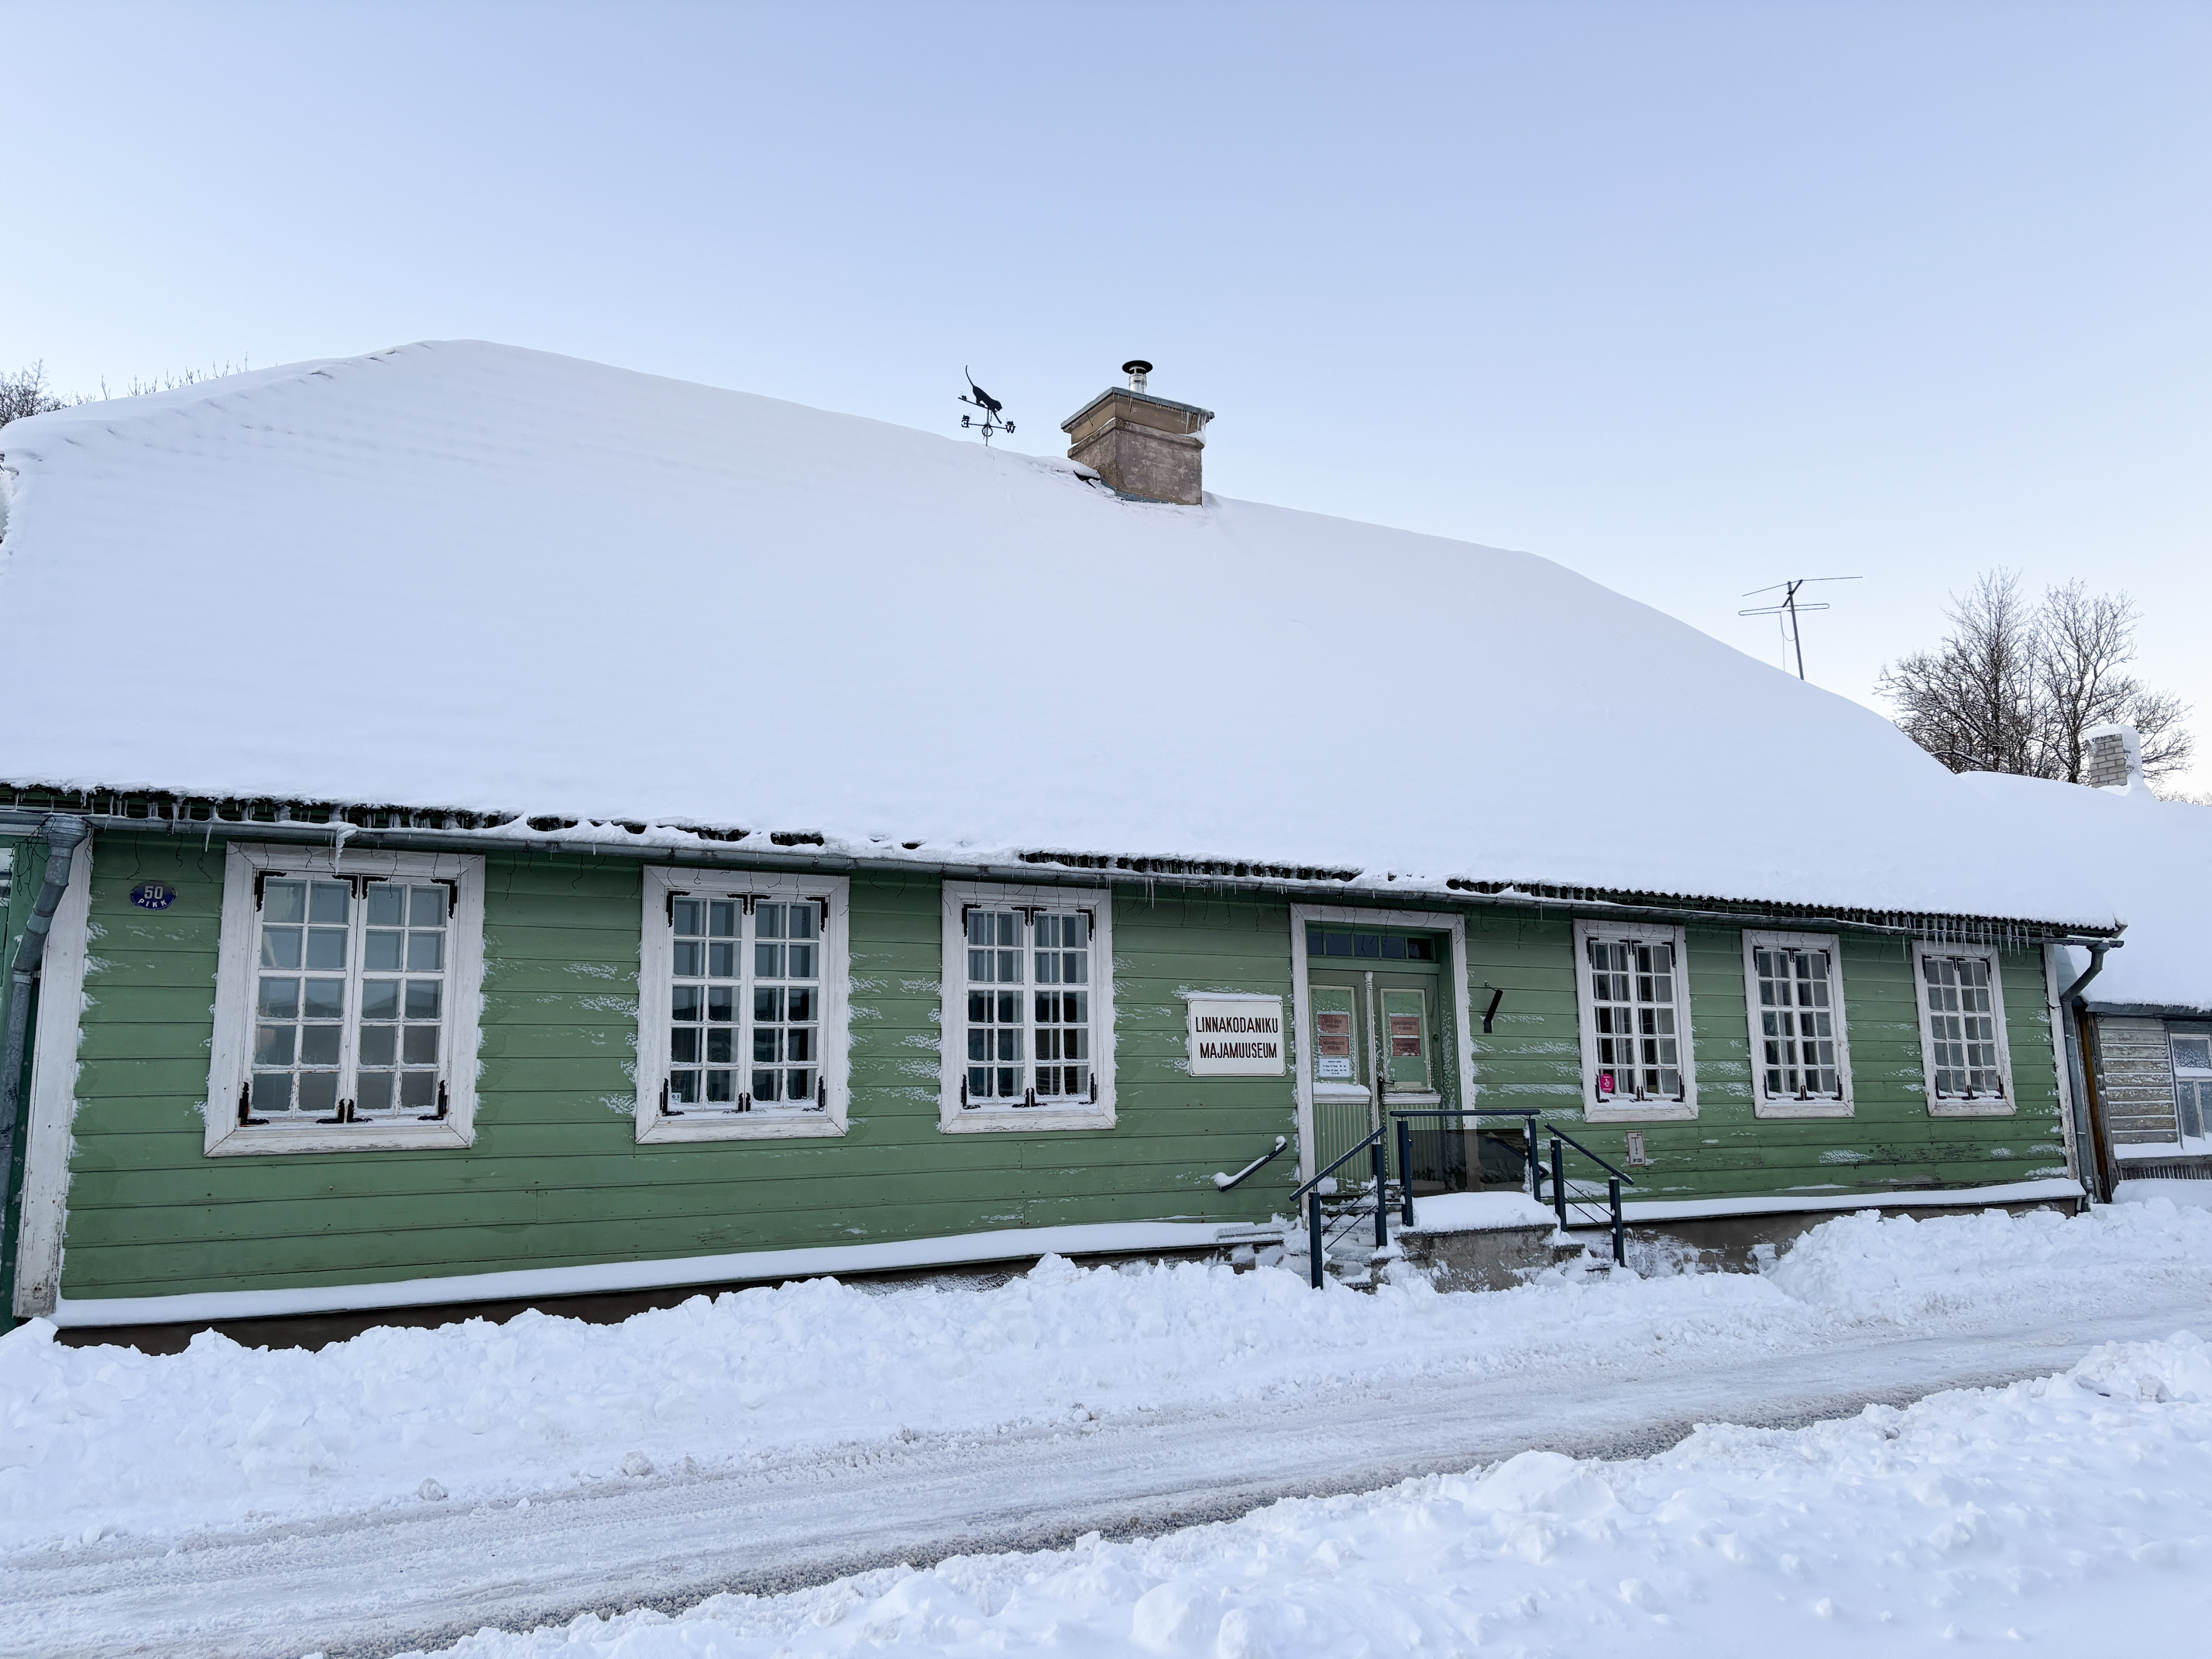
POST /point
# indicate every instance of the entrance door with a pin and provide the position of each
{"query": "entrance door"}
(1376, 1011)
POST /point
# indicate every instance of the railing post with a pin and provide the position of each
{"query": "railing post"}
(1313, 1232)
(1559, 1182)
(1381, 1194)
(1535, 1159)
(1406, 1170)
(1619, 1243)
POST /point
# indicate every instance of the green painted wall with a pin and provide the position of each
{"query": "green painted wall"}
(557, 1178)
(1890, 1145)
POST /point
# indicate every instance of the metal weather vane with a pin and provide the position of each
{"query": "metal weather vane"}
(992, 409)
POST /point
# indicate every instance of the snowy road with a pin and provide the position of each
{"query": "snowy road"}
(422, 1576)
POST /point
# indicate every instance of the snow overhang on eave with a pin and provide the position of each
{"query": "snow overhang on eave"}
(22, 807)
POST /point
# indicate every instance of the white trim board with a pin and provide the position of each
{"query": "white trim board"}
(1692, 1209)
(53, 1095)
(1785, 1106)
(1007, 1244)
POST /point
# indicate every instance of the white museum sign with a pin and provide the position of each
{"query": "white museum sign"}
(1235, 1037)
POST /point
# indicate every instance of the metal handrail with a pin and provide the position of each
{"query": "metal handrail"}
(1223, 1182)
(1311, 1192)
(1529, 1119)
(1300, 1191)
(1553, 1129)
(1405, 1145)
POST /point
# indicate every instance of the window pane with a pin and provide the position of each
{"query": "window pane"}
(380, 954)
(280, 947)
(387, 905)
(283, 901)
(379, 1044)
(330, 901)
(427, 906)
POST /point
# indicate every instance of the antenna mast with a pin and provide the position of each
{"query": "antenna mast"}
(1789, 608)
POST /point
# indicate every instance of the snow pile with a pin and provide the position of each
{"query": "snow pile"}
(2071, 1511)
(536, 522)
(1900, 1271)
(2154, 860)
(106, 1439)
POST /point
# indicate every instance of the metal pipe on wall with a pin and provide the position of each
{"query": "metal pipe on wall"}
(65, 834)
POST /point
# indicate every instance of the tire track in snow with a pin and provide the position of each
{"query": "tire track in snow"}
(381, 1583)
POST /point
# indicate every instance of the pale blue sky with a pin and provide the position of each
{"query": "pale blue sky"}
(1689, 297)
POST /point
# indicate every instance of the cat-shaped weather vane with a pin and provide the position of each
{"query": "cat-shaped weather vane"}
(992, 409)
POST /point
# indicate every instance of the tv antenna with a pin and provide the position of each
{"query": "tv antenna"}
(990, 406)
(1789, 608)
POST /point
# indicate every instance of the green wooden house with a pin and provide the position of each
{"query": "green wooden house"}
(549, 830)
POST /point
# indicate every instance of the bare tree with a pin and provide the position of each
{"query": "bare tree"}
(2013, 689)
(1974, 702)
(2087, 641)
(25, 393)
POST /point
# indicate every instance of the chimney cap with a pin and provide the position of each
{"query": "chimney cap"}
(1136, 369)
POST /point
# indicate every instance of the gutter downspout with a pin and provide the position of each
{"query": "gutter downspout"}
(2088, 1122)
(64, 834)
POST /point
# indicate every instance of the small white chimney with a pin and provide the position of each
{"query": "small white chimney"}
(2115, 757)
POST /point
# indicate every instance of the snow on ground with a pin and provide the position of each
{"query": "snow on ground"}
(106, 1441)
(2196, 1194)
(2072, 1509)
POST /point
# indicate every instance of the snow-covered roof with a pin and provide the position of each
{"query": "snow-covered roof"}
(2154, 860)
(468, 576)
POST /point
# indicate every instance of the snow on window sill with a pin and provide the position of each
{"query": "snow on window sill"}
(1641, 1111)
(740, 1126)
(257, 1139)
(1983, 1106)
(1018, 1120)
(1789, 1106)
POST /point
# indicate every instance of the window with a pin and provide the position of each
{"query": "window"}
(1962, 1031)
(1800, 1062)
(1635, 1023)
(346, 1000)
(741, 1008)
(2192, 1087)
(1028, 1001)
(1370, 946)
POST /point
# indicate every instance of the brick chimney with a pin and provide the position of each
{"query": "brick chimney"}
(1145, 447)
(2115, 757)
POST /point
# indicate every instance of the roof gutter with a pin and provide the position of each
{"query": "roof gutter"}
(65, 834)
(1033, 875)
(2088, 1125)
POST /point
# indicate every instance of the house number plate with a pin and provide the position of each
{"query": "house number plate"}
(153, 895)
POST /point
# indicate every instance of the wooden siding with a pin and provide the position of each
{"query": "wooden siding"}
(2135, 1081)
(1890, 1146)
(557, 1178)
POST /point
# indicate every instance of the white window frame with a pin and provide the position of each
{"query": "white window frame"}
(2198, 1144)
(1766, 1105)
(952, 1118)
(656, 958)
(1956, 1105)
(1649, 1111)
(231, 1063)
